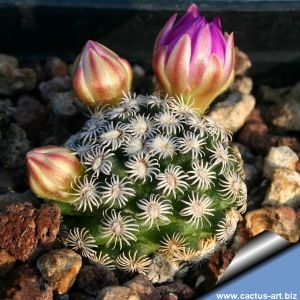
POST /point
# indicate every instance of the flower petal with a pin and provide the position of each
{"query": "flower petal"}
(178, 65)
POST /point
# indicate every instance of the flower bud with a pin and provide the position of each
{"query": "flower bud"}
(193, 58)
(52, 170)
(100, 75)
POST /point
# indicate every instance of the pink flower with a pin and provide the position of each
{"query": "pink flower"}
(193, 58)
(52, 170)
(100, 75)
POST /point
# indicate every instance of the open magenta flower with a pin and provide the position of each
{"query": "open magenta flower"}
(100, 75)
(52, 170)
(193, 58)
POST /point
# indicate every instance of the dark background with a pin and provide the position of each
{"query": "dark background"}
(269, 31)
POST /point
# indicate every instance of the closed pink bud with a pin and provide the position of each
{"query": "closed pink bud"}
(52, 170)
(193, 58)
(100, 75)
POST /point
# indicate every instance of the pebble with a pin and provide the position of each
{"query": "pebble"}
(281, 220)
(279, 157)
(284, 189)
(58, 84)
(251, 175)
(178, 288)
(30, 115)
(14, 147)
(254, 134)
(143, 287)
(242, 62)
(91, 279)
(54, 66)
(24, 228)
(60, 268)
(117, 293)
(26, 284)
(233, 111)
(242, 85)
(5, 110)
(272, 95)
(247, 155)
(14, 79)
(64, 105)
(286, 115)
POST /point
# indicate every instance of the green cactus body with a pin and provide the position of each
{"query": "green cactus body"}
(161, 184)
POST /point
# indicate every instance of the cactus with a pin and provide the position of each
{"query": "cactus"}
(162, 187)
(160, 181)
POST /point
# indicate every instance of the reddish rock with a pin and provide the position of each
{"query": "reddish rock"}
(254, 134)
(23, 228)
(219, 262)
(288, 141)
(117, 293)
(26, 284)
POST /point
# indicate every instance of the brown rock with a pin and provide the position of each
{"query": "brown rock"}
(7, 262)
(26, 284)
(117, 293)
(55, 67)
(254, 134)
(281, 220)
(144, 287)
(177, 288)
(92, 279)
(284, 189)
(242, 62)
(60, 268)
(23, 228)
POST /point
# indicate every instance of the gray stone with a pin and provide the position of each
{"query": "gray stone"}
(279, 157)
(242, 85)
(233, 111)
(117, 293)
(5, 111)
(58, 84)
(14, 147)
(286, 115)
(251, 175)
(14, 79)
(64, 105)
(284, 189)
(60, 268)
